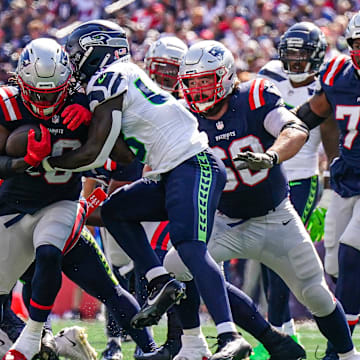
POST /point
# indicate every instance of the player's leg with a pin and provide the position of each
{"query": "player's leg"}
(303, 196)
(53, 232)
(193, 190)
(118, 259)
(296, 261)
(347, 289)
(122, 215)
(244, 311)
(86, 265)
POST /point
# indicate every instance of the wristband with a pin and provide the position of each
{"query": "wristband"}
(274, 155)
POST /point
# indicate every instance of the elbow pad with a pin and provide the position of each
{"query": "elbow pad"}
(305, 113)
(299, 125)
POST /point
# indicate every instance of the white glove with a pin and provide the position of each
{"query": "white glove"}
(256, 161)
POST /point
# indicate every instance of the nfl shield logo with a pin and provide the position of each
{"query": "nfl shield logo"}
(55, 119)
(220, 125)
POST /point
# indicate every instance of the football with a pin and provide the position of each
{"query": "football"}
(16, 143)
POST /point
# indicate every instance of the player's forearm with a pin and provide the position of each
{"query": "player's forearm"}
(11, 166)
(288, 144)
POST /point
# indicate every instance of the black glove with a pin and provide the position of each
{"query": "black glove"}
(256, 161)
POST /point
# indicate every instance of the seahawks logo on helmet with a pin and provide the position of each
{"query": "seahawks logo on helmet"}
(99, 38)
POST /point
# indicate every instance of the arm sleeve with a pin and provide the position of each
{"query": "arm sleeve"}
(276, 119)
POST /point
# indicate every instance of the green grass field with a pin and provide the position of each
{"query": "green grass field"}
(311, 338)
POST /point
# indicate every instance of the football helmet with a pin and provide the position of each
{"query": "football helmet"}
(43, 73)
(302, 50)
(162, 61)
(95, 44)
(353, 32)
(210, 61)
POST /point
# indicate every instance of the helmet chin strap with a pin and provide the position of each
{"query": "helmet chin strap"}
(298, 78)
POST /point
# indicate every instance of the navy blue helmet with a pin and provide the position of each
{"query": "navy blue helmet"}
(95, 44)
(303, 42)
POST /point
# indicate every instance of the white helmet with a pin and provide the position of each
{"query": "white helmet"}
(43, 74)
(207, 59)
(353, 32)
(162, 61)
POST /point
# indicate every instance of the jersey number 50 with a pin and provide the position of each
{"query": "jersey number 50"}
(247, 177)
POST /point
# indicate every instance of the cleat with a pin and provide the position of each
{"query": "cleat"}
(331, 356)
(193, 348)
(158, 302)
(14, 354)
(5, 344)
(286, 348)
(232, 347)
(259, 353)
(72, 343)
(48, 349)
(296, 338)
(112, 351)
(164, 352)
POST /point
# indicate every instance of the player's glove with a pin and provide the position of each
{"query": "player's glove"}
(316, 224)
(75, 115)
(38, 150)
(256, 161)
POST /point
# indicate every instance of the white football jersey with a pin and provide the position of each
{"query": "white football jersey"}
(305, 163)
(160, 131)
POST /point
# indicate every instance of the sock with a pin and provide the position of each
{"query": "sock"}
(188, 309)
(208, 279)
(174, 329)
(116, 340)
(46, 282)
(193, 332)
(347, 287)
(278, 300)
(226, 327)
(28, 343)
(245, 312)
(289, 327)
(335, 328)
(156, 273)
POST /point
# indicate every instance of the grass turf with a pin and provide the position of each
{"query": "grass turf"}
(311, 338)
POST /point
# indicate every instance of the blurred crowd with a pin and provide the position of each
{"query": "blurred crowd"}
(251, 29)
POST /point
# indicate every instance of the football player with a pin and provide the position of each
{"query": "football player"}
(162, 62)
(256, 218)
(301, 52)
(338, 95)
(183, 186)
(41, 215)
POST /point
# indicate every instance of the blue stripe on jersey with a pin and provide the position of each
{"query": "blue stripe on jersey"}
(271, 75)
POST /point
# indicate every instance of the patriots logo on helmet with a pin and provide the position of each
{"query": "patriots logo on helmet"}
(99, 38)
(218, 52)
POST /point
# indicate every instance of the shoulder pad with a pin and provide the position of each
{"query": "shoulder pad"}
(256, 93)
(8, 103)
(103, 86)
(332, 68)
(273, 70)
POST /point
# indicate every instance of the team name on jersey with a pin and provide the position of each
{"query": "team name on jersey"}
(225, 136)
(56, 131)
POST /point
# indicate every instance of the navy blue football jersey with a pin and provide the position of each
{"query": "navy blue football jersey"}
(31, 191)
(341, 85)
(247, 193)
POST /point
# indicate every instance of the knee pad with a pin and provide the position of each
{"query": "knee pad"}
(319, 300)
(173, 264)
